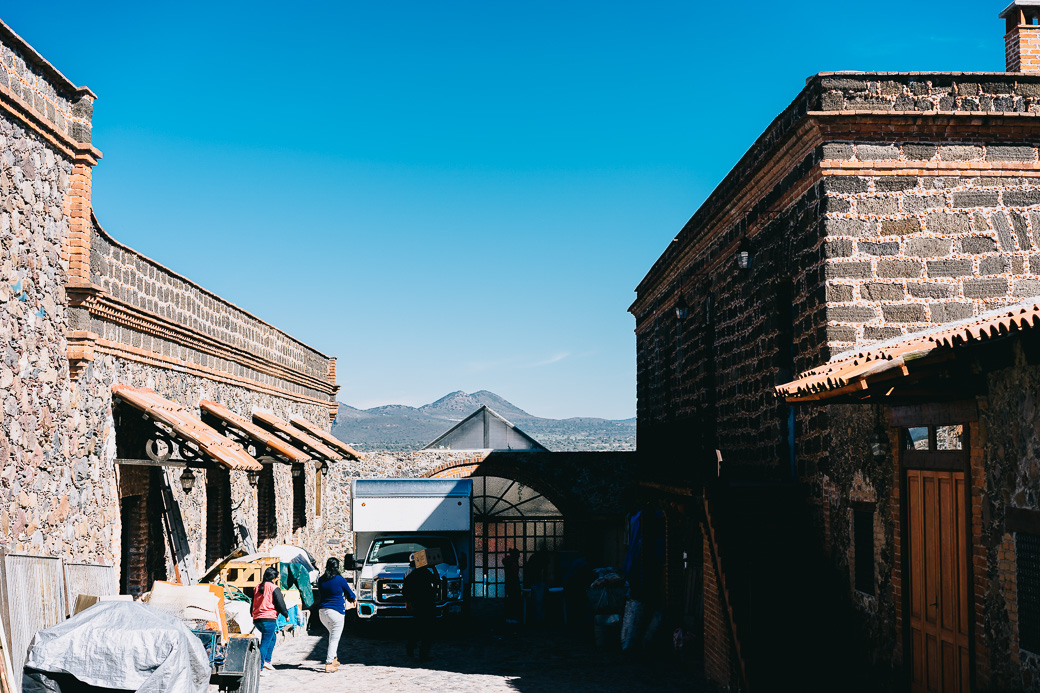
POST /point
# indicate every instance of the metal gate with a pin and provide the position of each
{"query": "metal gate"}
(509, 515)
(33, 598)
(82, 578)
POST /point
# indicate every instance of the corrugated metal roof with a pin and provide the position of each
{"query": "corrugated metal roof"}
(852, 370)
(326, 437)
(305, 440)
(189, 427)
(253, 431)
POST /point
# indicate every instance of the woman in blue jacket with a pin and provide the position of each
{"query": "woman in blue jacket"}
(333, 594)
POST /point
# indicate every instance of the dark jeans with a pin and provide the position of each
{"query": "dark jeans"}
(268, 635)
(420, 631)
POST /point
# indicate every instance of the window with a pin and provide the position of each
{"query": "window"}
(863, 556)
(319, 477)
(1027, 550)
(940, 438)
(915, 438)
(949, 437)
(299, 497)
(266, 519)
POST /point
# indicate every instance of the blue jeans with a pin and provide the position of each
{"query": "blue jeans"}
(268, 635)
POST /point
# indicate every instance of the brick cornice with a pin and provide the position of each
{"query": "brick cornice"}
(100, 304)
(149, 358)
(17, 108)
(737, 197)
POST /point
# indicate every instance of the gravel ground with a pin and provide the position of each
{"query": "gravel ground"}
(484, 655)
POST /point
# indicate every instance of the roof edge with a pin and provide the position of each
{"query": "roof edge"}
(33, 57)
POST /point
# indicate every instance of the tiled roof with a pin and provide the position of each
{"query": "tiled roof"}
(190, 428)
(855, 371)
(259, 435)
(273, 423)
(326, 437)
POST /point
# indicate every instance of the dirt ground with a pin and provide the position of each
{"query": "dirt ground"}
(486, 656)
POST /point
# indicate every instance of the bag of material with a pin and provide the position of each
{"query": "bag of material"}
(631, 624)
(124, 645)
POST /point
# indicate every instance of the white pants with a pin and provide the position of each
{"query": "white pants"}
(333, 621)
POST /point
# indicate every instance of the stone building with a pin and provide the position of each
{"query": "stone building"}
(876, 207)
(109, 362)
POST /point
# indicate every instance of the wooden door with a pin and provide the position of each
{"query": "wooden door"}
(939, 603)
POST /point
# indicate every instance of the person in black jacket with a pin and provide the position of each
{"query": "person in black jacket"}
(421, 588)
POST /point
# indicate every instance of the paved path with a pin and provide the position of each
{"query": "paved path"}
(484, 657)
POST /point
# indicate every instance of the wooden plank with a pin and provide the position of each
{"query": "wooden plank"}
(1022, 520)
(933, 413)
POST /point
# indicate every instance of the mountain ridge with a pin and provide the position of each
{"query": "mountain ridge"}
(402, 428)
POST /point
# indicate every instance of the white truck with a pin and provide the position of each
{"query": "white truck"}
(394, 518)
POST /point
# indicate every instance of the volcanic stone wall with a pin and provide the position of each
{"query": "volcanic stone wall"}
(907, 251)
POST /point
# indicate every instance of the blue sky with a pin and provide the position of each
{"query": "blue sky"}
(452, 195)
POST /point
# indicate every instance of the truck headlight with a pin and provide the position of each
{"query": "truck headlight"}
(454, 589)
(365, 589)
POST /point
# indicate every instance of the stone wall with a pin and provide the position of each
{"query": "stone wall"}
(54, 495)
(80, 312)
(28, 77)
(1008, 424)
(906, 252)
(196, 325)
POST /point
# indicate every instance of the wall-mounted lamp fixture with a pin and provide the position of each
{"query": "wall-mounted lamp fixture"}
(187, 480)
(253, 476)
(297, 470)
(682, 308)
(324, 467)
(744, 256)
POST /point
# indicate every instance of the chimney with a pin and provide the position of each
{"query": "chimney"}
(1022, 40)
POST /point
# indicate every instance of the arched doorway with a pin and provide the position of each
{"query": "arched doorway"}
(508, 514)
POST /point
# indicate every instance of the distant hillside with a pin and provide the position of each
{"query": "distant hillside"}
(400, 428)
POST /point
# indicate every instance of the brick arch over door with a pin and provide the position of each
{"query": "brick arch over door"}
(507, 469)
(499, 527)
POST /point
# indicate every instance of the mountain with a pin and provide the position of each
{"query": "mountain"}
(400, 428)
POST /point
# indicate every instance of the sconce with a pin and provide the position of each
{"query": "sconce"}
(187, 480)
(682, 308)
(253, 476)
(297, 470)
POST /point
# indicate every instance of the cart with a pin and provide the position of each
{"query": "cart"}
(235, 666)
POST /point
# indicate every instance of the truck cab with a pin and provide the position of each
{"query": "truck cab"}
(395, 518)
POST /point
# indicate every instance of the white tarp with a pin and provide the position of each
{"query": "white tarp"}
(125, 645)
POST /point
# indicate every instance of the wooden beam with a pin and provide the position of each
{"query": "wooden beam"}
(153, 463)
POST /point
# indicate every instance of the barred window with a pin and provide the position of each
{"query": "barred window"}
(863, 531)
(1027, 550)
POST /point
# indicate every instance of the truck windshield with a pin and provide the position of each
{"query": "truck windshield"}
(397, 549)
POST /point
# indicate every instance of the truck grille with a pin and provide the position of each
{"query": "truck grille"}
(389, 592)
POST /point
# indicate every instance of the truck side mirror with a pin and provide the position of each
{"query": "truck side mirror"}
(348, 562)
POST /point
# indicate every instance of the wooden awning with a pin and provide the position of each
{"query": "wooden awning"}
(308, 443)
(263, 440)
(852, 375)
(189, 430)
(326, 437)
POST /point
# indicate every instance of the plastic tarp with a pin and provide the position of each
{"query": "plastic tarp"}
(295, 554)
(296, 575)
(124, 645)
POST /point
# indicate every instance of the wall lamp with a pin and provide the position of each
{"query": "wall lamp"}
(187, 480)
(254, 477)
(744, 256)
(325, 467)
(297, 470)
(682, 308)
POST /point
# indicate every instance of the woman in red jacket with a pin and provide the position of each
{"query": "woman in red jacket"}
(267, 604)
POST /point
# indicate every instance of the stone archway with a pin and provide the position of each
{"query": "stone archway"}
(511, 510)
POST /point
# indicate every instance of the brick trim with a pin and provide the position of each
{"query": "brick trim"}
(149, 358)
(104, 306)
(77, 152)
